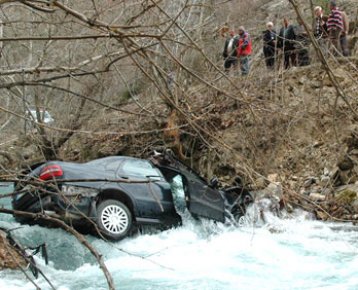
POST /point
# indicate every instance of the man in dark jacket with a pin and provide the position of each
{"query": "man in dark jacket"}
(269, 38)
(302, 44)
(230, 52)
(286, 41)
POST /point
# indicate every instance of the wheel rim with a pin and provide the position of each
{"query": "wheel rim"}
(114, 219)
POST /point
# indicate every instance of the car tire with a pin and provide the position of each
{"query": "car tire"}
(114, 219)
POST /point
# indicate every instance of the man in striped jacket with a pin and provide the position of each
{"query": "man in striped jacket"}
(335, 26)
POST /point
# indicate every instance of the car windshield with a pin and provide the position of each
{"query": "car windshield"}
(140, 168)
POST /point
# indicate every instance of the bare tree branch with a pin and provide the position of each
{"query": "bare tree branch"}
(76, 234)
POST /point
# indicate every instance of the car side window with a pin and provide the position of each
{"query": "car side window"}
(113, 165)
(140, 168)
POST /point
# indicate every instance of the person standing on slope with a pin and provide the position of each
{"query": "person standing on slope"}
(244, 50)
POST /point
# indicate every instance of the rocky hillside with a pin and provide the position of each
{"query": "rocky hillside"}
(295, 125)
(290, 134)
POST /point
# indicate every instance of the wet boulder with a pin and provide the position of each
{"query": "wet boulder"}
(268, 201)
(347, 196)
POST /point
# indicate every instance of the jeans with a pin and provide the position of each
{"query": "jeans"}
(244, 64)
(323, 43)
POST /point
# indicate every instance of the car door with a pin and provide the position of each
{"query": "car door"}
(153, 196)
(203, 200)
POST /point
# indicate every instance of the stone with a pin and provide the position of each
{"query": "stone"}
(316, 188)
(345, 163)
(317, 196)
(273, 190)
(346, 197)
(334, 172)
(276, 189)
(325, 179)
(355, 205)
(272, 177)
(322, 215)
(317, 144)
(289, 208)
(327, 191)
(344, 177)
(304, 191)
(309, 181)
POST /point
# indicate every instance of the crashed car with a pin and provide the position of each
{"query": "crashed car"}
(119, 193)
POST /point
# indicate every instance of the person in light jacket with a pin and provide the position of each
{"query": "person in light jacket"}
(230, 52)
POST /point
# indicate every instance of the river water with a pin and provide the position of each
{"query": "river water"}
(297, 254)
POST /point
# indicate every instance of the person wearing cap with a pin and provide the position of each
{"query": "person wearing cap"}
(244, 50)
(269, 48)
(230, 51)
(335, 26)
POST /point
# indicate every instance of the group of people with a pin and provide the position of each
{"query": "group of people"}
(238, 48)
(331, 30)
(334, 27)
(292, 40)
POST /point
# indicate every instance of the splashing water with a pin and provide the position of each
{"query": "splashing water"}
(303, 254)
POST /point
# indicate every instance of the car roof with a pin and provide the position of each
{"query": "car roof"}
(113, 158)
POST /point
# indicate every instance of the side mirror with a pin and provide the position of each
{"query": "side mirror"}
(214, 182)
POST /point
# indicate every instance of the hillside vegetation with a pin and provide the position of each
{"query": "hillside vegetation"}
(129, 78)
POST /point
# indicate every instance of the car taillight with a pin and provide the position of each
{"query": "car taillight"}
(50, 171)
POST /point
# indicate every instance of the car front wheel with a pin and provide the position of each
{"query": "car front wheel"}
(114, 219)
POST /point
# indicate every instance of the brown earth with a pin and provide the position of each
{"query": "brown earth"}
(10, 258)
(273, 127)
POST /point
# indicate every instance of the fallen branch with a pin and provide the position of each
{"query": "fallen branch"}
(72, 231)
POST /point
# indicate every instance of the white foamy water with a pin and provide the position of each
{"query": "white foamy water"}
(200, 255)
(203, 255)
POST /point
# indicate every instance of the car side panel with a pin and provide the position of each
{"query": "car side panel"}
(152, 200)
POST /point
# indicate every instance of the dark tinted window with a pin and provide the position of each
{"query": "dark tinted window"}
(140, 168)
(109, 163)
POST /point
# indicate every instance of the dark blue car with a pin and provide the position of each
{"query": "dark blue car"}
(119, 193)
